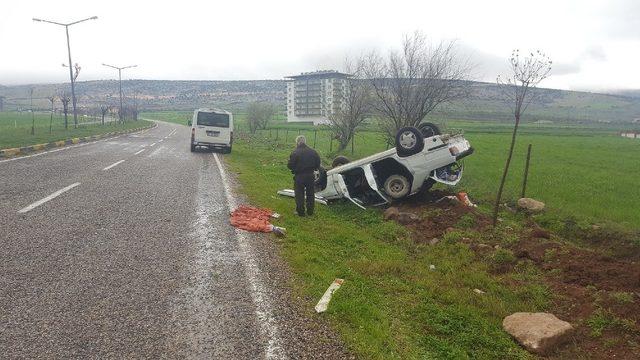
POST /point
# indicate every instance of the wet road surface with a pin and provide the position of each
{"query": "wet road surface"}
(122, 248)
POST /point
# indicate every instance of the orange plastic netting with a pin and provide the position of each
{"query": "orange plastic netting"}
(252, 219)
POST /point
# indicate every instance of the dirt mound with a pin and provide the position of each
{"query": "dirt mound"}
(595, 286)
(435, 217)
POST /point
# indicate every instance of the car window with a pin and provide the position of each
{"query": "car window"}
(213, 119)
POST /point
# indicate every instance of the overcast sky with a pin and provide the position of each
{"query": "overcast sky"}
(595, 45)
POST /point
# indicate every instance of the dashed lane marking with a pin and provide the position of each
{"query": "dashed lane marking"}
(139, 152)
(48, 198)
(113, 165)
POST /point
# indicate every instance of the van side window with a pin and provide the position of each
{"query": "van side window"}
(213, 119)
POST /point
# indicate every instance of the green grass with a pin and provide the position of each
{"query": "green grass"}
(15, 129)
(581, 171)
(391, 306)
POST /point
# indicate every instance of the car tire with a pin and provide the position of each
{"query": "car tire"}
(227, 150)
(429, 129)
(340, 160)
(397, 186)
(193, 148)
(409, 141)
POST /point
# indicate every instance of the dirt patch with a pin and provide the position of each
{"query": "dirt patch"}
(435, 217)
(595, 286)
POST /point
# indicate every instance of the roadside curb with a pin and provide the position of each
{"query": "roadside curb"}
(12, 152)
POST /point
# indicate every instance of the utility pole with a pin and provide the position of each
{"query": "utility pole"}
(121, 115)
(73, 90)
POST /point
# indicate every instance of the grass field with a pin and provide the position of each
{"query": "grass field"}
(583, 172)
(15, 128)
(392, 306)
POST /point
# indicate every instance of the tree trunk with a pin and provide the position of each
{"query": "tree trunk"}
(506, 170)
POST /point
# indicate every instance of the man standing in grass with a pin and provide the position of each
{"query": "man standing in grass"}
(302, 163)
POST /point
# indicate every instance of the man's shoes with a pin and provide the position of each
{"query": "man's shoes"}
(301, 215)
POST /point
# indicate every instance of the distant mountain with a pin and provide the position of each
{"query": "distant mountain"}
(630, 93)
(484, 102)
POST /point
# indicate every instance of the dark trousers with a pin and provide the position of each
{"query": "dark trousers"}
(304, 183)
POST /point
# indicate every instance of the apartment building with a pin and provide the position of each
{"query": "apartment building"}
(314, 96)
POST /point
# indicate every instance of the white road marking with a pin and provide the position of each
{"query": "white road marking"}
(139, 152)
(264, 312)
(50, 197)
(160, 140)
(174, 130)
(113, 165)
(152, 145)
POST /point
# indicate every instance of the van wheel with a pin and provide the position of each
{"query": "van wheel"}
(193, 148)
(409, 141)
(429, 129)
(227, 150)
(340, 160)
(397, 186)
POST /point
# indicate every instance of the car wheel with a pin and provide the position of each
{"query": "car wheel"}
(409, 141)
(397, 186)
(339, 160)
(193, 148)
(227, 150)
(429, 129)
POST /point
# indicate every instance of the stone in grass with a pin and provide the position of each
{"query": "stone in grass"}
(391, 213)
(539, 333)
(406, 218)
(530, 205)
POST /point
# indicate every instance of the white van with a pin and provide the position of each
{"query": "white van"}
(212, 128)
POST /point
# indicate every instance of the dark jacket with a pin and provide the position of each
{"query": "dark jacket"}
(303, 160)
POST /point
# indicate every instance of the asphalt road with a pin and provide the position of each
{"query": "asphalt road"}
(122, 248)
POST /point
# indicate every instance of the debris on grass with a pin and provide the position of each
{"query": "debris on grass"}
(324, 300)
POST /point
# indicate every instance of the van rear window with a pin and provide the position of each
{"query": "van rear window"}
(213, 119)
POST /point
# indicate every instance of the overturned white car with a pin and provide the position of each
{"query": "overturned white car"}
(421, 157)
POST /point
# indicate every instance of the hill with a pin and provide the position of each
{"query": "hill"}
(484, 102)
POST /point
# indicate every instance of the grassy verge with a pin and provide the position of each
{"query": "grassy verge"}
(15, 129)
(392, 305)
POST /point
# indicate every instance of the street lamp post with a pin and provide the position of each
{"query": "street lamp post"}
(121, 115)
(73, 90)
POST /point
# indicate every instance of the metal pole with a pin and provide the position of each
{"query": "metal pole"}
(73, 87)
(120, 84)
(315, 137)
(526, 172)
(33, 118)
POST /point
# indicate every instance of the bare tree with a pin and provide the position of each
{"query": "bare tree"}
(525, 74)
(104, 109)
(410, 84)
(65, 99)
(52, 100)
(259, 115)
(349, 115)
